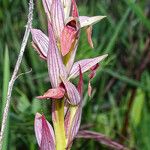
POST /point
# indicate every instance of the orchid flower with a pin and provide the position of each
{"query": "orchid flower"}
(58, 49)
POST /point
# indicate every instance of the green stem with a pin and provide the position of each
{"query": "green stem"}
(58, 122)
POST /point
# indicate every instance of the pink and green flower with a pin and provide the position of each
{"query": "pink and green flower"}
(58, 49)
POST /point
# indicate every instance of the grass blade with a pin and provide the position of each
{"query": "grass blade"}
(6, 75)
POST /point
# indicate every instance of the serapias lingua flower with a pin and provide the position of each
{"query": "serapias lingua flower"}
(59, 50)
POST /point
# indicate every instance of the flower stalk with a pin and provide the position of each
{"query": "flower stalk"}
(58, 122)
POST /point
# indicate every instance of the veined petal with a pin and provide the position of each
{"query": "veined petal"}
(56, 93)
(47, 7)
(66, 106)
(72, 56)
(67, 7)
(68, 36)
(44, 133)
(57, 18)
(47, 142)
(85, 64)
(72, 93)
(88, 21)
(40, 42)
(72, 124)
(56, 67)
(67, 121)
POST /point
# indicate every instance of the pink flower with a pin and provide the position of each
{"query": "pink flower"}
(59, 50)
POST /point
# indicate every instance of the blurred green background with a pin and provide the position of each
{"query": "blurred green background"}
(120, 104)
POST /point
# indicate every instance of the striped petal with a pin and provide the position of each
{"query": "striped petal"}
(85, 64)
(44, 133)
(72, 56)
(88, 21)
(67, 7)
(72, 124)
(57, 17)
(47, 7)
(40, 42)
(72, 93)
(56, 67)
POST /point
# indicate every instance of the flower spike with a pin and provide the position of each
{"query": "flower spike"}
(59, 50)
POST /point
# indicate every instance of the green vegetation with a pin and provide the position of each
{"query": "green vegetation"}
(123, 79)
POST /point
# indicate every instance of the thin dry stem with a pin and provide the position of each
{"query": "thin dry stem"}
(15, 72)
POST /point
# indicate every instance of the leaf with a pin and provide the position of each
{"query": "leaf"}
(100, 138)
(56, 93)
(23, 102)
(56, 67)
(136, 113)
(36, 106)
(88, 21)
(85, 64)
(57, 16)
(44, 133)
(40, 42)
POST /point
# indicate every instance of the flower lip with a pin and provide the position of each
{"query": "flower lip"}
(69, 34)
(73, 22)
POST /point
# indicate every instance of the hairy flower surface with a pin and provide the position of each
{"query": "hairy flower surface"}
(59, 48)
